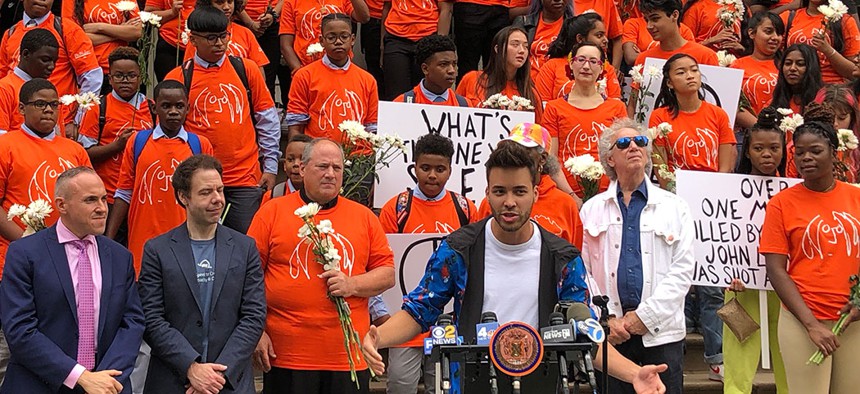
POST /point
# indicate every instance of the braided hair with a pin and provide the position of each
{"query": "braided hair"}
(767, 122)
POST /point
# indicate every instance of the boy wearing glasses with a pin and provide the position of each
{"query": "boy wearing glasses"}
(230, 105)
(38, 56)
(32, 157)
(105, 130)
(643, 260)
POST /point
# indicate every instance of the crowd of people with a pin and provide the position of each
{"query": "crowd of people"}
(174, 261)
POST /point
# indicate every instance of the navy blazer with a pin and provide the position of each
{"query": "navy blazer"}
(39, 314)
(171, 303)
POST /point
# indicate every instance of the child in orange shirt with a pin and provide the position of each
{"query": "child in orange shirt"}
(39, 49)
(144, 193)
(763, 37)
(77, 69)
(554, 79)
(300, 25)
(543, 24)
(576, 121)
(242, 44)
(836, 44)
(105, 130)
(332, 89)
(32, 157)
(507, 72)
(437, 57)
(292, 163)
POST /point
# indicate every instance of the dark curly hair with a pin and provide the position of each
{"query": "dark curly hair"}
(818, 119)
(767, 122)
(512, 156)
(433, 144)
(431, 45)
(123, 53)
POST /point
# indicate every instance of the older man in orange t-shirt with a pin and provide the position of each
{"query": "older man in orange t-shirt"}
(302, 348)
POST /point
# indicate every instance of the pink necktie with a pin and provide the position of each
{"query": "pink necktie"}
(86, 308)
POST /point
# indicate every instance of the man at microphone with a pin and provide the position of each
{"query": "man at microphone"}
(638, 247)
(512, 266)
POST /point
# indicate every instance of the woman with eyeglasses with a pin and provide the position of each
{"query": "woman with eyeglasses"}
(576, 120)
(809, 240)
(241, 40)
(507, 72)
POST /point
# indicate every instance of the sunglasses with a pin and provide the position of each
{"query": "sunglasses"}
(624, 142)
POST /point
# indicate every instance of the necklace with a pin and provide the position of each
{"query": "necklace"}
(829, 188)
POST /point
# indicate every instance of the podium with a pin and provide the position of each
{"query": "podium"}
(473, 368)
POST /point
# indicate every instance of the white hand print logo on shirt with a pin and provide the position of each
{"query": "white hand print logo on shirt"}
(228, 98)
(42, 181)
(539, 50)
(798, 36)
(337, 108)
(702, 144)
(303, 255)
(819, 233)
(236, 49)
(156, 178)
(310, 21)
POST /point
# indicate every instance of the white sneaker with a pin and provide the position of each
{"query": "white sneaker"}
(716, 373)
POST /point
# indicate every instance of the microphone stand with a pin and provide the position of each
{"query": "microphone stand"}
(494, 385)
(602, 302)
(446, 374)
(562, 371)
(515, 385)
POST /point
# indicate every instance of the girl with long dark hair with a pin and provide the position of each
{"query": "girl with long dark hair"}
(836, 44)
(799, 78)
(542, 25)
(763, 36)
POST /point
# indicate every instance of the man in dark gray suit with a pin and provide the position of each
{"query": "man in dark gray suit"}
(201, 286)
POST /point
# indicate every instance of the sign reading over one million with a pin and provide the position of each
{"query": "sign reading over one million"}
(474, 131)
(728, 211)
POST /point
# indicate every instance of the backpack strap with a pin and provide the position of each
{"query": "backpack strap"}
(140, 141)
(102, 117)
(194, 144)
(788, 23)
(409, 97)
(279, 190)
(461, 205)
(402, 209)
(461, 101)
(187, 73)
(239, 66)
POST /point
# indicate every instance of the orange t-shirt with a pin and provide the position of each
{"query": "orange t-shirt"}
(818, 233)
(219, 111)
(607, 10)
(76, 56)
(255, 8)
(504, 3)
(578, 131)
(119, 116)
(696, 136)
(420, 98)
(10, 117)
(331, 96)
(701, 53)
(545, 34)
(702, 18)
(759, 80)
(628, 11)
(101, 11)
(554, 210)
(301, 321)
(804, 27)
(153, 209)
(470, 89)
(636, 31)
(375, 8)
(242, 44)
(412, 19)
(552, 81)
(302, 19)
(29, 168)
(170, 30)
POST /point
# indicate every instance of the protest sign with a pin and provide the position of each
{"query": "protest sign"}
(411, 253)
(722, 87)
(474, 131)
(728, 212)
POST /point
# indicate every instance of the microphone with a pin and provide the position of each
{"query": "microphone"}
(445, 327)
(485, 329)
(579, 316)
(558, 332)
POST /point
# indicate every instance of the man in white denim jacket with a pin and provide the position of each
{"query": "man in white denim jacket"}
(638, 250)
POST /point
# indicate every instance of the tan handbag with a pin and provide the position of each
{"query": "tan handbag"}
(738, 320)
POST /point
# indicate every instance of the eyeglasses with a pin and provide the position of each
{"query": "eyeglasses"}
(42, 104)
(214, 38)
(124, 77)
(624, 142)
(332, 38)
(591, 60)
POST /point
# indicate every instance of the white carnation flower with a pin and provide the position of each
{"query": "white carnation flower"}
(68, 99)
(15, 210)
(39, 209)
(325, 227)
(847, 140)
(308, 211)
(304, 231)
(126, 6)
(314, 49)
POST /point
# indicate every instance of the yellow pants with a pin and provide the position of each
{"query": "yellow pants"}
(741, 360)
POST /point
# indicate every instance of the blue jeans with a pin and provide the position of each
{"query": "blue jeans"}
(707, 301)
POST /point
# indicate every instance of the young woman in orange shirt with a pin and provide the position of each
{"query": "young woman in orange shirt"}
(844, 105)
(762, 39)
(836, 43)
(811, 246)
(542, 24)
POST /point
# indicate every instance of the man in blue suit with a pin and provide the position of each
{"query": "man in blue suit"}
(202, 291)
(70, 306)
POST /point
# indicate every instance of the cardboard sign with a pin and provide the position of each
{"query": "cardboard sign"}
(411, 254)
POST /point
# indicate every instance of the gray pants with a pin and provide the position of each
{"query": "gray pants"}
(404, 370)
(141, 367)
(4, 357)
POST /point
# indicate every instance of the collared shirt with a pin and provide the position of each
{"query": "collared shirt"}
(292, 188)
(22, 74)
(630, 260)
(157, 132)
(433, 97)
(417, 193)
(376, 306)
(49, 137)
(135, 101)
(66, 237)
(333, 66)
(205, 64)
(30, 21)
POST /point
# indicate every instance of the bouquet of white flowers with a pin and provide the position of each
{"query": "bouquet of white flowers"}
(730, 12)
(641, 88)
(84, 100)
(516, 103)
(725, 59)
(664, 170)
(364, 154)
(833, 11)
(790, 121)
(33, 216)
(588, 173)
